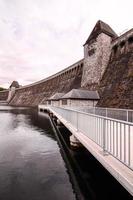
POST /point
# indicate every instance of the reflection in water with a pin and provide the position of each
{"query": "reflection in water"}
(94, 181)
(31, 167)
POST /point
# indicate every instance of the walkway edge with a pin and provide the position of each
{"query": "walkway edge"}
(119, 171)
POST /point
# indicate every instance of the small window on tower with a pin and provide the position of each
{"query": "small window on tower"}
(115, 48)
(91, 52)
(122, 44)
(130, 40)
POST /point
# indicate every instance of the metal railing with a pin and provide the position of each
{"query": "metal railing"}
(115, 113)
(114, 136)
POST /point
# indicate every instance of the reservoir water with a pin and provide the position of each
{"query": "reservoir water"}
(35, 164)
(31, 167)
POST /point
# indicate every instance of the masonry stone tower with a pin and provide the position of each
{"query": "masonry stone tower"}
(12, 89)
(97, 51)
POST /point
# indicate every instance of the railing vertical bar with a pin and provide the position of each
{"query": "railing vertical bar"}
(113, 135)
(110, 137)
(107, 130)
(90, 126)
(129, 161)
(127, 115)
(93, 127)
(101, 133)
(120, 142)
(89, 133)
(77, 121)
(97, 130)
(124, 143)
(104, 130)
(117, 139)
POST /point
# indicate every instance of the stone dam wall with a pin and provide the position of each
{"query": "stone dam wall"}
(116, 85)
(109, 70)
(37, 93)
(4, 95)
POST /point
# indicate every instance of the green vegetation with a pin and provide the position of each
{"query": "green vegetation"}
(1, 89)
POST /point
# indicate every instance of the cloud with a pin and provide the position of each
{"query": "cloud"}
(40, 37)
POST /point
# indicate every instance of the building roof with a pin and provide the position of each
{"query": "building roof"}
(81, 94)
(14, 84)
(56, 96)
(101, 27)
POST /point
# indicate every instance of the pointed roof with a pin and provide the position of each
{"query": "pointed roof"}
(14, 84)
(101, 27)
(56, 96)
(81, 94)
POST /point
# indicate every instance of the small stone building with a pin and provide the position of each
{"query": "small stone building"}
(80, 97)
(55, 99)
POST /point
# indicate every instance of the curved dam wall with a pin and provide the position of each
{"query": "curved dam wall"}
(37, 93)
(107, 67)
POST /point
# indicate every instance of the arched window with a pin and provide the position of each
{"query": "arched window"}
(122, 44)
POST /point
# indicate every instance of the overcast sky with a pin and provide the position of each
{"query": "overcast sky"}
(41, 37)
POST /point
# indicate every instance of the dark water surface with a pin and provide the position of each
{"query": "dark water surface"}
(31, 166)
(37, 163)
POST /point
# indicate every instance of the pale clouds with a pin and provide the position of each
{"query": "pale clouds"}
(41, 37)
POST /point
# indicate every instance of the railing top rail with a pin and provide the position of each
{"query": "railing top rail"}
(104, 108)
(121, 109)
(98, 116)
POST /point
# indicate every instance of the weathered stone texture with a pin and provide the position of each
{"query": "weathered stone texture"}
(116, 86)
(95, 64)
(4, 95)
(38, 93)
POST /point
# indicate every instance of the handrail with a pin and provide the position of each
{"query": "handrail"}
(120, 114)
(114, 136)
(99, 116)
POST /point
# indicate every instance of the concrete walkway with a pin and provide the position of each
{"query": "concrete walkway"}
(123, 174)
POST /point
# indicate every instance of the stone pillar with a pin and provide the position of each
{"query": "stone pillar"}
(59, 122)
(11, 94)
(74, 142)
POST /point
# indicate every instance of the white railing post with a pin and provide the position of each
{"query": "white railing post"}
(77, 120)
(94, 110)
(104, 134)
(106, 112)
(112, 135)
(127, 115)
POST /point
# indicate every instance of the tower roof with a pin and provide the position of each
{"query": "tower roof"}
(14, 84)
(101, 27)
(81, 94)
(56, 96)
